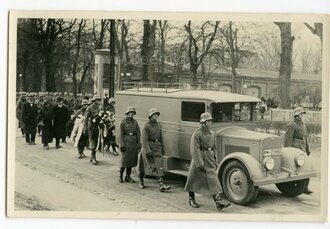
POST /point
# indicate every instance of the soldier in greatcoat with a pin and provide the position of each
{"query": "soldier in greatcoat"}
(296, 135)
(78, 135)
(91, 128)
(202, 174)
(152, 150)
(61, 118)
(29, 117)
(129, 142)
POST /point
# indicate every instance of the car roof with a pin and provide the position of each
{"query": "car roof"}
(215, 96)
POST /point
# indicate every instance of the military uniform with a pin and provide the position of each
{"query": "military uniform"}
(296, 136)
(152, 150)
(152, 147)
(92, 127)
(203, 150)
(202, 176)
(129, 138)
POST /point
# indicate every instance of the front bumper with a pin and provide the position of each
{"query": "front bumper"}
(284, 177)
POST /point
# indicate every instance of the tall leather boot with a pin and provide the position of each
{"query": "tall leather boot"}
(121, 173)
(162, 186)
(128, 176)
(141, 183)
(192, 201)
(221, 201)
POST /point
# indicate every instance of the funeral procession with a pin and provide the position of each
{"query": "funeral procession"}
(165, 116)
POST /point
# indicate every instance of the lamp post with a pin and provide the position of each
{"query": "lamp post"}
(20, 82)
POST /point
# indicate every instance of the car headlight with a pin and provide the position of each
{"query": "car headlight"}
(299, 159)
(269, 163)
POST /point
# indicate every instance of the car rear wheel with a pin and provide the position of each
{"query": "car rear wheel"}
(293, 188)
(237, 184)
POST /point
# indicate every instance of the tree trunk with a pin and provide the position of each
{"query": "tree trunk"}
(144, 49)
(151, 50)
(285, 63)
(112, 47)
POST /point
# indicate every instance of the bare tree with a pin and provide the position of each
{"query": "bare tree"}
(94, 41)
(51, 32)
(148, 48)
(233, 50)
(197, 51)
(285, 63)
(317, 29)
(112, 47)
(81, 26)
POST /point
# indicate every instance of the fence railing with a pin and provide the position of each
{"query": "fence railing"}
(287, 115)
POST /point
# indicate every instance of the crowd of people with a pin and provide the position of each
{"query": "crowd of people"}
(91, 124)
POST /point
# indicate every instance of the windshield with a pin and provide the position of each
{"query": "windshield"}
(231, 112)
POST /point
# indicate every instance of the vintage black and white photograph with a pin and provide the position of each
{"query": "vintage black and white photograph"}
(168, 116)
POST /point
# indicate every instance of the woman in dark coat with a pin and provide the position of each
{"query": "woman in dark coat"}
(46, 117)
(129, 138)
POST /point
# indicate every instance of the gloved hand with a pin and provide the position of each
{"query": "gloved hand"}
(202, 169)
(123, 148)
(139, 149)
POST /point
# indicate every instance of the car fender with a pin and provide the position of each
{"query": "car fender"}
(252, 165)
(288, 160)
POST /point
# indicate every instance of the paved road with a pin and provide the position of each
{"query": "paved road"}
(56, 179)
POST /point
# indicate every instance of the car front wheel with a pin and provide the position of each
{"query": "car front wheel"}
(237, 184)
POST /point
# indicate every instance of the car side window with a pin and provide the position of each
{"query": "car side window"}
(191, 111)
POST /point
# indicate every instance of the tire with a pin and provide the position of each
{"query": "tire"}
(237, 185)
(293, 188)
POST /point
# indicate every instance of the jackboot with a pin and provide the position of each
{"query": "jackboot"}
(192, 201)
(128, 176)
(221, 201)
(141, 183)
(121, 173)
(93, 158)
(162, 186)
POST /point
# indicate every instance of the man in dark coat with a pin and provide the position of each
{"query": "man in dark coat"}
(129, 142)
(296, 135)
(91, 126)
(46, 118)
(203, 167)
(29, 117)
(152, 149)
(19, 108)
(61, 118)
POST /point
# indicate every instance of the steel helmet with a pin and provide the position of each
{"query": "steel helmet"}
(112, 100)
(153, 111)
(130, 109)
(298, 111)
(205, 117)
(96, 97)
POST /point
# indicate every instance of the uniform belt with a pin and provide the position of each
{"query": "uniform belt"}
(206, 149)
(300, 138)
(130, 134)
(154, 140)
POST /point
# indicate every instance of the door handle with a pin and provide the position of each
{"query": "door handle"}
(180, 129)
